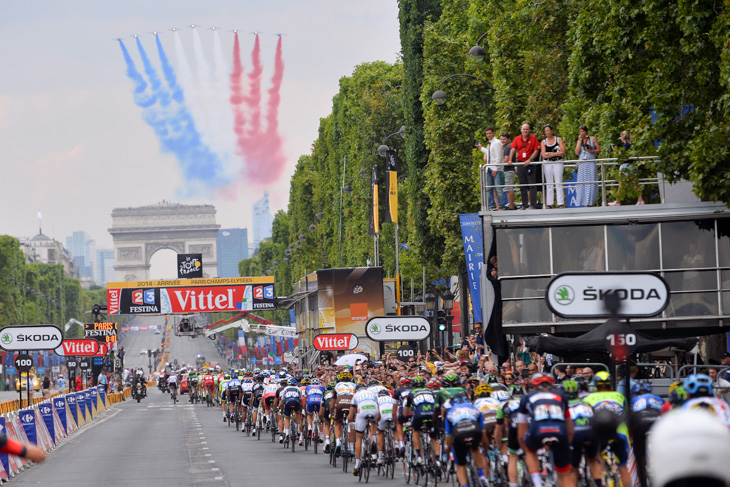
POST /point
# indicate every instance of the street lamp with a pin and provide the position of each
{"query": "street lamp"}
(439, 97)
(477, 53)
(448, 298)
(430, 300)
(383, 149)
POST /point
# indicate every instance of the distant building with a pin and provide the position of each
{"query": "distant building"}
(262, 220)
(104, 266)
(44, 249)
(232, 248)
(83, 250)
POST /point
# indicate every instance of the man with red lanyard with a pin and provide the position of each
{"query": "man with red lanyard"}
(527, 148)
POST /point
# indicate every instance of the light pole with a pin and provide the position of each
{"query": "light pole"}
(477, 53)
(343, 189)
(439, 97)
(448, 298)
(431, 314)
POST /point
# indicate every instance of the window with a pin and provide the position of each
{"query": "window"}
(680, 252)
(523, 251)
(633, 247)
(579, 249)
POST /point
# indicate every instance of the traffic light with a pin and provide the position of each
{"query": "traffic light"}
(441, 320)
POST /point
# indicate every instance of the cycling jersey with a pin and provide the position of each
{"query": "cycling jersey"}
(367, 406)
(443, 397)
(422, 404)
(547, 412)
(583, 438)
(400, 397)
(377, 388)
(314, 395)
(507, 412)
(465, 424)
(714, 405)
(344, 389)
(488, 406)
(291, 398)
(386, 405)
(615, 402)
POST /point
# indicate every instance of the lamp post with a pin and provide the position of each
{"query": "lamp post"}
(477, 53)
(430, 300)
(439, 97)
(448, 298)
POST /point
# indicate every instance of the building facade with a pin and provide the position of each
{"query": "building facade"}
(232, 246)
(46, 250)
(83, 249)
(104, 266)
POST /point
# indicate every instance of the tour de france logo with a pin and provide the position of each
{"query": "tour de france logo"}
(564, 295)
(374, 329)
(6, 338)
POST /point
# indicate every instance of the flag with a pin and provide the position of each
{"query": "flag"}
(374, 227)
(242, 342)
(391, 183)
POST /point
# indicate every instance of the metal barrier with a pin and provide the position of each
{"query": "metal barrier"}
(657, 366)
(683, 370)
(572, 163)
(579, 364)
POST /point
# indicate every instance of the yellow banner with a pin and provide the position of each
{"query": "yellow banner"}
(193, 282)
(376, 214)
(393, 196)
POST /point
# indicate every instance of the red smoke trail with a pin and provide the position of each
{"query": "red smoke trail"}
(271, 144)
(253, 101)
(237, 93)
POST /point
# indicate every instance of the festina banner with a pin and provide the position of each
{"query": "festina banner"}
(101, 332)
(184, 296)
(189, 266)
(391, 186)
(374, 227)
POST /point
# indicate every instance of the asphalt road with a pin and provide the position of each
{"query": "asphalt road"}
(154, 443)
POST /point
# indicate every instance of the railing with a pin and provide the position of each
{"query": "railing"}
(603, 164)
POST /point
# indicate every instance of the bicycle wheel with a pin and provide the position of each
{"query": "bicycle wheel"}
(344, 449)
(293, 435)
(407, 457)
(259, 427)
(237, 414)
(315, 435)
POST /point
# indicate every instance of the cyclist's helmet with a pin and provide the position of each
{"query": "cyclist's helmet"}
(451, 380)
(387, 384)
(460, 398)
(305, 381)
(331, 385)
(698, 385)
(373, 382)
(483, 390)
(434, 384)
(344, 376)
(541, 378)
(473, 380)
(227, 377)
(582, 383)
(259, 378)
(360, 386)
(491, 379)
(315, 382)
(602, 379)
(305, 371)
(570, 387)
(384, 393)
(406, 381)
(282, 374)
(292, 381)
(419, 381)
(641, 388)
(498, 387)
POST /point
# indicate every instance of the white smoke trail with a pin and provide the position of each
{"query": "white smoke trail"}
(191, 89)
(224, 136)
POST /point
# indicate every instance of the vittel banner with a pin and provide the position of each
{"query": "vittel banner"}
(335, 341)
(184, 296)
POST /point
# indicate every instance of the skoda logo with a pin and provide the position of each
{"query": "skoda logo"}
(374, 329)
(564, 295)
(6, 338)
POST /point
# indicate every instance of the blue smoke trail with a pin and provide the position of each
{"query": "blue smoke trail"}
(172, 123)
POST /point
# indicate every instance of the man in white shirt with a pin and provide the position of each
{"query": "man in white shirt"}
(493, 156)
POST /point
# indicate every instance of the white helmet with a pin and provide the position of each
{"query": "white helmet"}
(691, 444)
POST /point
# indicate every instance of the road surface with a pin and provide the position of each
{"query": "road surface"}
(154, 443)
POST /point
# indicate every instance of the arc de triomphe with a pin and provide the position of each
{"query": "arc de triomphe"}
(140, 232)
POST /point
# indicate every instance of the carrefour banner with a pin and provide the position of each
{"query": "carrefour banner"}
(60, 404)
(81, 401)
(27, 419)
(72, 405)
(87, 398)
(471, 233)
(46, 411)
(4, 456)
(183, 296)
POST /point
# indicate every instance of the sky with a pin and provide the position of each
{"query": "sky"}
(75, 144)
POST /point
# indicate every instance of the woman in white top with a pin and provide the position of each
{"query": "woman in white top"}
(553, 151)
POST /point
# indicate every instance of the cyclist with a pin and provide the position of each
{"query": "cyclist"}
(422, 403)
(605, 398)
(342, 399)
(699, 389)
(325, 414)
(388, 411)
(247, 384)
(223, 390)
(172, 384)
(584, 440)
(313, 398)
(400, 396)
(542, 417)
(364, 406)
(646, 408)
(235, 394)
(290, 401)
(256, 394)
(677, 397)
(465, 433)
(269, 396)
(506, 433)
(277, 407)
(208, 384)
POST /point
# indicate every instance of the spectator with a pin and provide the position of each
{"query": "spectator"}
(523, 352)
(493, 156)
(46, 387)
(532, 368)
(102, 380)
(553, 151)
(61, 382)
(587, 148)
(79, 383)
(588, 374)
(509, 172)
(725, 362)
(527, 148)
(561, 373)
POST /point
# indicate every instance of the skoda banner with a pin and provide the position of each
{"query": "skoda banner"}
(60, 404)
(27, 419)
(398, 328)
(46, 410)
(583, 294)
(183, 296)
(30, 337)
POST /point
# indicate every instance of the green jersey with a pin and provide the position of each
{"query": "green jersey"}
(443, 397)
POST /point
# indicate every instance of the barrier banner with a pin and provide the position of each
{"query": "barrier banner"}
(93, 395)
(27, 418)
(59, 403)
(70, 421)
(4, 457)
(87, 398)
(57, 426)
(46, 410)
(72, 406)
(42, 434)
(15, 431)
(81, 401)
(102, 396)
